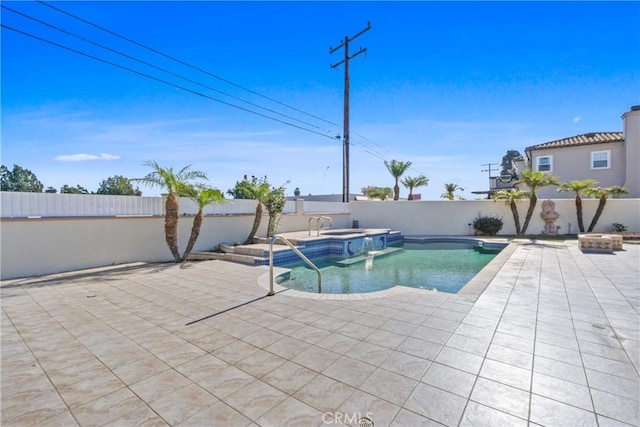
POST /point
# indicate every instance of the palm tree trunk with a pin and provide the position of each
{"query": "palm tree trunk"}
(171, 225)
(195, 232)
(396, 191)
(596, 217)
(516, 216)
(579, 213)
(256, 224)
(532, 206)
(410, 196)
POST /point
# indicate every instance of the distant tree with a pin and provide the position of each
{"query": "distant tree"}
(397, 169)
(414, 182)
(50, 190)
(203, 196)
(534, 180)
(510, 196)
(382, 193)
(78, 189)
(578, 187)
(449, 190)
(174, 183)
(19, 179)
(602, 194)
(118, 185)
(507, 161)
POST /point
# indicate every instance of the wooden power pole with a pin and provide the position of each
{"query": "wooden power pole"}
(345, 132)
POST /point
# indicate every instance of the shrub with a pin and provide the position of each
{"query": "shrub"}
(487, 225)
(619, 227)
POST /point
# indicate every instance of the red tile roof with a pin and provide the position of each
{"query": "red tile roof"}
(584, 139)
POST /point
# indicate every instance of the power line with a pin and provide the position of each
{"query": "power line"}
(157, 79)
(158, 68)
(182, 62)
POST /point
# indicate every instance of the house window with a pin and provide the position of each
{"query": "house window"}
(601, 159)
(544, 163)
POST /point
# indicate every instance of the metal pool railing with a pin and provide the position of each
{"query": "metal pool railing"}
(297, 251)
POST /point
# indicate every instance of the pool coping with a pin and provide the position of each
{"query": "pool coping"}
(471, 291)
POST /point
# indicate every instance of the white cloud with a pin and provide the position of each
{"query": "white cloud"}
(82, 157)
(576, 119)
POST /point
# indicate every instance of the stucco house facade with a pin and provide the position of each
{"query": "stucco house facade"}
(611, 158)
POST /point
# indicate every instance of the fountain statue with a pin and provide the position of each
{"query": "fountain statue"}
(549, 215)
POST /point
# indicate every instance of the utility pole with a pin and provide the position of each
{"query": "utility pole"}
(345, 132)
(489, 170)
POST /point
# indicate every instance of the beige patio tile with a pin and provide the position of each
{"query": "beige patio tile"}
(291, 412)
(226, 381)
(324, 394)
(159, 385)
(289, 377)
(183, 403)
(137, 371)
(255, 399)
(389, 386)
(218, 414)
(107, 408)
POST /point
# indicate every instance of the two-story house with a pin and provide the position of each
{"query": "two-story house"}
(611, 158)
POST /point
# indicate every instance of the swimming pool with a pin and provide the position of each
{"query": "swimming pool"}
(445, 266)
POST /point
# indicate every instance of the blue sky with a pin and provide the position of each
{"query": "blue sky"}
(449, 86)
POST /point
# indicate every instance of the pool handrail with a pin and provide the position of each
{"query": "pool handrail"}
(297, 251)
(320, 221)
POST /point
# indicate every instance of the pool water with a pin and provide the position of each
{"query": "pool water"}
(441, 266)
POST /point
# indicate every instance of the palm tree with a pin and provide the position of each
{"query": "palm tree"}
(203, 196)
(510, 196)
(259, 190)
(173, 182)
(414, 182)
(534, 180)
(397, 169)
(578, 187)
(449, 189)
(602, 194)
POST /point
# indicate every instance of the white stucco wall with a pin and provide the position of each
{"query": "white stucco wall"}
(31, 247)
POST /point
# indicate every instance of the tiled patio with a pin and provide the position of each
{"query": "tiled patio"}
(553, 340)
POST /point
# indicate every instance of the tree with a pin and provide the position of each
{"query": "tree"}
(507, 161)
(414, 182)
(578, 187)
(78, 189)
(510, 196)
(274, 204)
(534, 180)
(174, 183)
(257, 189)
(203, 196)
(118, 185)
(397, 169)
(449, 189)
(382, 193)
(602, 194)
(19, 179)
(50, 190)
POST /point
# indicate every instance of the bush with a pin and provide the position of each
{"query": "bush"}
(487, 225)
(619, 227)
